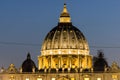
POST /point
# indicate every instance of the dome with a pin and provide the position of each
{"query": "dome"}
(65, 38)
(28, 65)
(64, 48)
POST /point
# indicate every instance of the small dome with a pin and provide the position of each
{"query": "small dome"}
(28, 65)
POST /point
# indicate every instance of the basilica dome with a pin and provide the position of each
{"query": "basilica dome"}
(64, 47)
(65, 38)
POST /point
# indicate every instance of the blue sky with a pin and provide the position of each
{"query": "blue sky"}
(28, 22)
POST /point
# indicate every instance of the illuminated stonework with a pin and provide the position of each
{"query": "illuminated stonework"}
(65, 61)
(65, 47)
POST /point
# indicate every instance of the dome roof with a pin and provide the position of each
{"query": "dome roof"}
(65, 38)
(28, 65)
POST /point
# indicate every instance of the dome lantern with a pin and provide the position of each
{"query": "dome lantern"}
(64, 17)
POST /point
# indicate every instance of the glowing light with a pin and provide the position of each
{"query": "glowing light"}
(39, 78)
(72, 78)
(114, 77)
(98, 78)
(27, 78)
(86, 78)
(59, 52)
(53, 78)
(69, 52)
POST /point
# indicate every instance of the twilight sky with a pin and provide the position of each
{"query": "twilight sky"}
(25, 23)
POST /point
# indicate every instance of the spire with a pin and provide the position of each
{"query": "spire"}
(64, 17)
(28, 56)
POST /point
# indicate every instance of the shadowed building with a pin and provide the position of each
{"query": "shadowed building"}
(28, 65)
(65, 55)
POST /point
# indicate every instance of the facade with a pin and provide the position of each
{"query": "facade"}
(65, 55)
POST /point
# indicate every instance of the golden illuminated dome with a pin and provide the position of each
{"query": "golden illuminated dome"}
(65, 38)
(64, 47)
